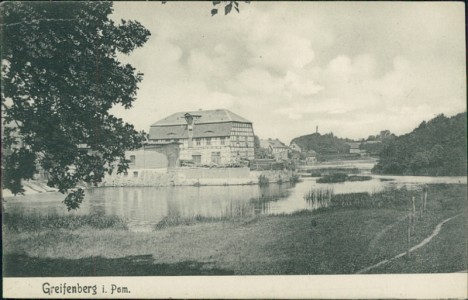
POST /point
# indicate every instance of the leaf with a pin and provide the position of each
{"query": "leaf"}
(214, 11)
(227, 8)
(216, 2)
(236, 9)
(71, 96)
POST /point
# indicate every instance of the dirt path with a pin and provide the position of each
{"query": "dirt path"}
(380, 234)
(423, 243)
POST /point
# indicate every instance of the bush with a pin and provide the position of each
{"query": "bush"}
(295, 178)
(263, 180)
(358, 178)
(333, 178)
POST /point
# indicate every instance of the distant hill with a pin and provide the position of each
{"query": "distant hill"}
(436, 148)
(322, 144)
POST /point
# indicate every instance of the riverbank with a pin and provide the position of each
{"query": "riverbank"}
(332, 241)
(173, 177)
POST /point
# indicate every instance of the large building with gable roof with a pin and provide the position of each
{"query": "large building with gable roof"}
(207, 136)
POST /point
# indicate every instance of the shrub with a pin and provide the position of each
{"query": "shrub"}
(358, 178)
(333, 178)
(263, 180)
(295, 178)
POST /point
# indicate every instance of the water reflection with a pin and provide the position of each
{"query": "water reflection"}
(150, 205)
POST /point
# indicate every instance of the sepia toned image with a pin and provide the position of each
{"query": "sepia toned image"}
(220, 139)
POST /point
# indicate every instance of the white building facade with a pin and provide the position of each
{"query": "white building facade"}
(207, 137)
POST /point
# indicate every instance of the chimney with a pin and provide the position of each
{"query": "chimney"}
(189, 119)
(316, 129)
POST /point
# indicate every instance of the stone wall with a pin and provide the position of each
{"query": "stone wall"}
(139, 177)
(146, 159)
(192, 176)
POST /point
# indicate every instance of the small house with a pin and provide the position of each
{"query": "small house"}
(277, 149)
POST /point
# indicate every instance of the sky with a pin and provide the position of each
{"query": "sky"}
(351, 68)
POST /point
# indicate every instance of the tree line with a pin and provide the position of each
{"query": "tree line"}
(322, 144)
(435, 148)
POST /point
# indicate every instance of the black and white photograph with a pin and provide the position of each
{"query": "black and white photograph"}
(156, 147)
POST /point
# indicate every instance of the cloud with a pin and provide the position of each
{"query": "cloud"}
(301, 85)
(353, 68)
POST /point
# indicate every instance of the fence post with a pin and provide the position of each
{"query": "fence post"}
(413, 214)
(408, 254)
(425, 200)
(421, 208)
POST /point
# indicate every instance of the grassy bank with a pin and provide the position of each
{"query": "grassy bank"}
(337, 240)
(17, 222)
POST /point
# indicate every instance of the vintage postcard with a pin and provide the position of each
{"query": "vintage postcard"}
(234, 149)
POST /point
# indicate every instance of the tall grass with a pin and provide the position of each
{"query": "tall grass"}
(389, 198)
(35, 222)
(235, 211)
(170, 221)
(319, 197)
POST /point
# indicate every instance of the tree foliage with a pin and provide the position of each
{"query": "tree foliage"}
(259, 152)
(60, 77)
(322, 144)
(375, 143)
(437, 148)
(228, 6)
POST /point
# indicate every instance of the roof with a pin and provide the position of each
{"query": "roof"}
(203, 117)
(181, 132)
(274, 143)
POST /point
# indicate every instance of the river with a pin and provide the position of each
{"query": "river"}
(146, 206)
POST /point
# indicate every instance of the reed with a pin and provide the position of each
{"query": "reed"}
(35, 222)
(170, 221)
(319, 197)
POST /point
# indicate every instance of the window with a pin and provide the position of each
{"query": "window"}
(135, 174)
(198, 142)
(223, 140)
(125, 174)
(208, 141)
(132, 159)
(216, 157)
